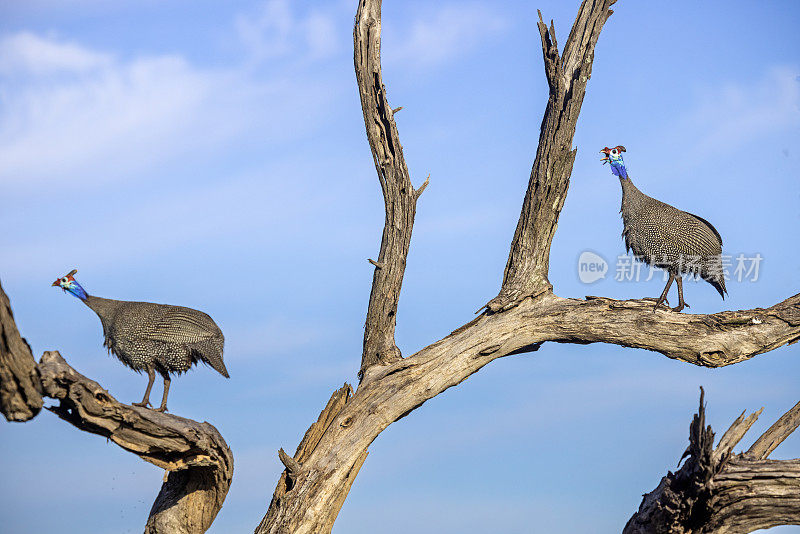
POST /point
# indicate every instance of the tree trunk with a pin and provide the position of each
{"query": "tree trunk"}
(20, 390)
(714, 491)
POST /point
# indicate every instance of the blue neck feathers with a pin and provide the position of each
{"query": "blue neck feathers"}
(618, 168)
(76, 289)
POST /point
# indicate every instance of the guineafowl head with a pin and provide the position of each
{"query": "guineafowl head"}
(614, 159)
(68, 283)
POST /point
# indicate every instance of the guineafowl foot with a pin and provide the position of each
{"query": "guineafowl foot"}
(653, 299)
(681, 304)
(659, 302)
(161, 409)
(663, 297)
(143, 404)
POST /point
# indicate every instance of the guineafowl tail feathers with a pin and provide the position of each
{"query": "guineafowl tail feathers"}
(719, 285)
(220, 368)
(215, 361)
(210, 353)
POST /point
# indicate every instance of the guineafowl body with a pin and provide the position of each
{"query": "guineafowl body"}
(154, 337)
(666, 237)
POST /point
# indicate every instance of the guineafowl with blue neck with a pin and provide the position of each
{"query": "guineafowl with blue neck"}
(666, 237)
(153, 337)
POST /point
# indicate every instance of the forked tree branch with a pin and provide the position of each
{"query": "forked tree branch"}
(393, 391)
(719, 491)
(197, 459)
(317, 479)
(399, 195)
(526, 273)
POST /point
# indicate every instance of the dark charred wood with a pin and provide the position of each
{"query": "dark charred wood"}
(717, 491)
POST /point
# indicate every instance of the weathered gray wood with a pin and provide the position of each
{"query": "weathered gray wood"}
(399, 195)
(719, 492)
(775, 435)
(20, 390)
(397, 389)
(318, 477)
(198, 461)
(526, 273)
(286, 508)
(307, 499)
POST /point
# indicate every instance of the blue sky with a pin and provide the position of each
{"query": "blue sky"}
(212, 155)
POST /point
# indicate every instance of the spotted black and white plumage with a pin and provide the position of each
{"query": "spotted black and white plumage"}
(154, 337)
(666, 237)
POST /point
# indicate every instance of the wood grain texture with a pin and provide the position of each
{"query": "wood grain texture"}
(20, 389)
(392, 392)
(318, 477)
(526, 273)
(718, 491)
(399, 195)
(308, 498)
(198, 461)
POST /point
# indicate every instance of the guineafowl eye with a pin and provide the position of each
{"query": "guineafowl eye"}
(614, 151)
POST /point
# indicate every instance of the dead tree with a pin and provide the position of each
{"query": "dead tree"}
(719, 491)
(198, 461)
(525, 314)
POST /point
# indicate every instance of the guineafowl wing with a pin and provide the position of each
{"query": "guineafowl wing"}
(709, 225)
(183, 325)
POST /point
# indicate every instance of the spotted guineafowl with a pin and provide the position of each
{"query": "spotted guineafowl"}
(154, 337)
(666, 237)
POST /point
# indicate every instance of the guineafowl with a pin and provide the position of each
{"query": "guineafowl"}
(666, 237)
(154, 337)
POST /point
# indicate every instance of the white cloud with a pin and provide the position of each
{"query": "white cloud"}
(267, 33)
(274, 30)
(444, 34)
(106, 118)
(733, 115)
(30, 53)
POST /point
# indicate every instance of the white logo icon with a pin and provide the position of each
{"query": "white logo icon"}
(591, 267)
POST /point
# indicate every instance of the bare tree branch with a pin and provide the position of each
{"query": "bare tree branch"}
(286, 510)
(399, 195)
(20, 390)
(198, 461)
(526, 272)
(397, 389)
(775, 435)
(308, 498)
(720, 492)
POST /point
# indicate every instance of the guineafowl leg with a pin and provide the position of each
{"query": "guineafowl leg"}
(663, 296)
(151, 376)
(163, 407)
(681, 303)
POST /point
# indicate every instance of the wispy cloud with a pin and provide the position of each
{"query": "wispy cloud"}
(444, 34)
(29, 53)
(727, 118)
(275, 30)
(72, 113)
